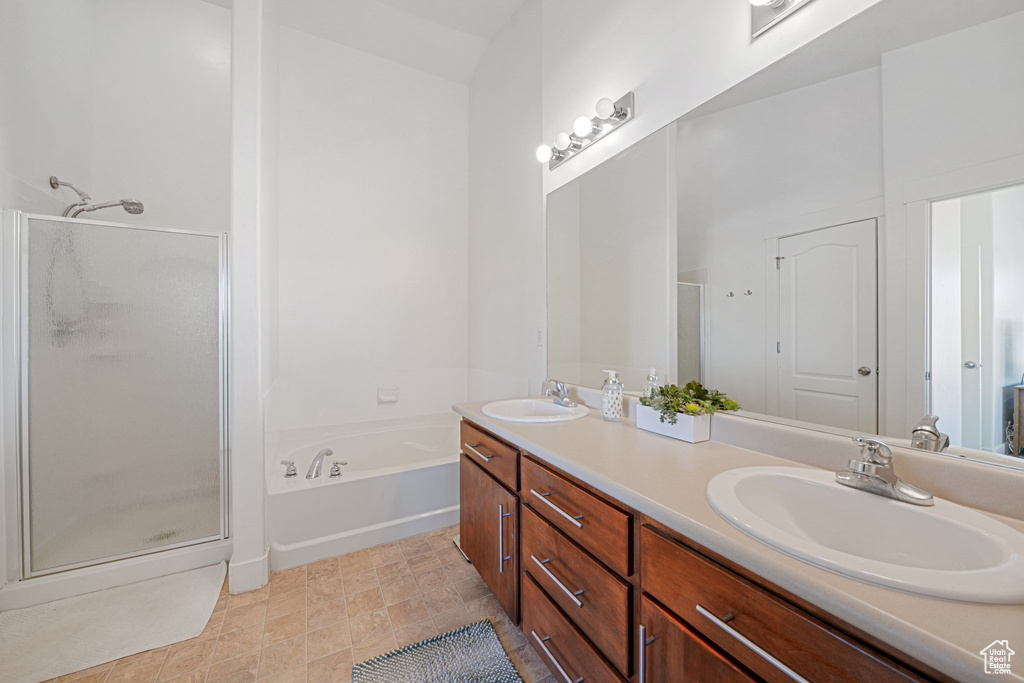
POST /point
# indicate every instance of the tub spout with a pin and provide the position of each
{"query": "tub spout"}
(317, 466)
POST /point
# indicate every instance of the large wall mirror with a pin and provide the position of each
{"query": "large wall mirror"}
(838, 240)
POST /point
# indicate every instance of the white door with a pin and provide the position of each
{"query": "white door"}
(828, 322)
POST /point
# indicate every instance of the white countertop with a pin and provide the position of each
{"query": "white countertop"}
(665, 479)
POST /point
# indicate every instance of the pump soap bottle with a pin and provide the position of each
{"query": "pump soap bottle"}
(611, 397)
(651, 386)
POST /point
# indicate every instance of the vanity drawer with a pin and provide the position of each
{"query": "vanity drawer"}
(563, 648)
(496, 457)
(562, 570)
(601, 528)
(704, 593)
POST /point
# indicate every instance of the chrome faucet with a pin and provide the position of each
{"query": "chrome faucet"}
(874, 473)
(560, 393)
(927, 436)
(317, 465)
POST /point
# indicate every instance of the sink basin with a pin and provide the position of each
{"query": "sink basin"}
(944, 551)
(533, 410)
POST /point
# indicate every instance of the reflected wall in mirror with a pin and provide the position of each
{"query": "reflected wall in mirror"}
(829, 242)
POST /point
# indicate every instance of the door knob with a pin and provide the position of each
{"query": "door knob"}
(970, 365)
(864, 371)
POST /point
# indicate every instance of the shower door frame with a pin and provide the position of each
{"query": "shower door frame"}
(21, 420)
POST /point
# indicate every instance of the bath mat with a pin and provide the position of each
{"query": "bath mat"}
(471, 654)
(61, 637)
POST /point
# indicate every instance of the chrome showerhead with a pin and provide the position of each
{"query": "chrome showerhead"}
(132, 206)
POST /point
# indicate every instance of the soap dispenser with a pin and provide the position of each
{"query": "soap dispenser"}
(611, 397)
(651, 386)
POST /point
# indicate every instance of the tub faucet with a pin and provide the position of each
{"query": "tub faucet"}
(317, 465)
(874, 473)
(560, 392)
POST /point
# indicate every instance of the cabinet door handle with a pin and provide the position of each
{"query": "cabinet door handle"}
(642, 654)
(721, 623)
(540, 642)
(544, 499)
(572, 596)
(502, 558)
(472, 449)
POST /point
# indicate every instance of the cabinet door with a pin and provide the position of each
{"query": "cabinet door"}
(673, 652)
(489, 528)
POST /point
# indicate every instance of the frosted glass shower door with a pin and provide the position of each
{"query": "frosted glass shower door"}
(123, 379)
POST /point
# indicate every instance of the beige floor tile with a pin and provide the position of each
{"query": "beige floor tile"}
(192, 677)
(324, 589)
(406, 613)
(486, 608)
(472, 589)
(188, 656)
(287, 581)
(432, 579)
(297, 675)
(222, 604)
(529, 664)
(510, 636)
(393, 571)
(238, 643)
(357, 583)
(400, 590)
(369, 626)
(282, 657)
(326, 613)
(335, 668)
(89, 673)
(417, 545)
(284, 628)
(213, 626)
(141, 668)
(461, 571)
(280, 605)
(450, 555)
(414, 633)
(421, 563)
(386, 554)
(442, 543)
(353, 563)
(248, 598)
(240, 617)
(376, 646)
(442, 600)
(323, 568)
(328, 640)
(239, 670)
(93, 677)
(146, 654)
(453, 619)
(362, 603)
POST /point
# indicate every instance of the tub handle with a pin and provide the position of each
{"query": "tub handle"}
(502, 558)
(472, 449)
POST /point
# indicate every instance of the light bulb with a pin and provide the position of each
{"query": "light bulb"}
(582, 126)
(544, 154)
(605, 108)
(563, 141)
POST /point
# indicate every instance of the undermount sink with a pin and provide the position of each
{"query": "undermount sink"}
(533, 410)
(943, 551)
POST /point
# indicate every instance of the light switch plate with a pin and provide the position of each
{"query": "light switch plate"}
(763, 18)
(387, 394)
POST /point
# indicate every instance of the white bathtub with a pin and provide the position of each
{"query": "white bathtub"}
(402, 479)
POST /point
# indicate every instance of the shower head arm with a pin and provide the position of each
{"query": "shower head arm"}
(55, 184)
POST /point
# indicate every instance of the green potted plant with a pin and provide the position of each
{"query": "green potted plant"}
(682, 412)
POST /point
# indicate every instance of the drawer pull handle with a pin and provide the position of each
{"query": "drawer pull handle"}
(540, 641)
(502, 558)
(721, 623)
(472, 449)
(544, 498)
(642, 664)
(572, 596)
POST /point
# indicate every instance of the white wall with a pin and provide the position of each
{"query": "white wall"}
(506, 214)
(373, 235)
(752, 173)
(674, 55)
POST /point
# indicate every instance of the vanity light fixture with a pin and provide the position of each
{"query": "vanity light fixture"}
(587, 131)
(766, 13)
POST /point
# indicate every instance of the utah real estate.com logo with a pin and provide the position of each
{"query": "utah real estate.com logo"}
(997, 657)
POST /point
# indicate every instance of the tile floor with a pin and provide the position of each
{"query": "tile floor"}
(312, 623)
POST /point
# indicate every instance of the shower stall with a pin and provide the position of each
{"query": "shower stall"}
(120, 364)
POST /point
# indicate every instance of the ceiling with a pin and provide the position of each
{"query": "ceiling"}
(446, 38)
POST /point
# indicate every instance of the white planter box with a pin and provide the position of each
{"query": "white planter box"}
(690, 428)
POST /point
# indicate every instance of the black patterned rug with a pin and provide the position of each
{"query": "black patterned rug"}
(471, 654)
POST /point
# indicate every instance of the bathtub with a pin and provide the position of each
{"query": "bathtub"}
(402, 479)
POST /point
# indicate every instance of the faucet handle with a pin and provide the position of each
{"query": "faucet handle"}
(289, 470)
(874, 451)
(336, 468)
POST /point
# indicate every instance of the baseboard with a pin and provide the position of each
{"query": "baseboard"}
(35, 591)
(249, 575)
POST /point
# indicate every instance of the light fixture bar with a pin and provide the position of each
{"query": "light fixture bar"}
(766, 13)
(622, 113)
